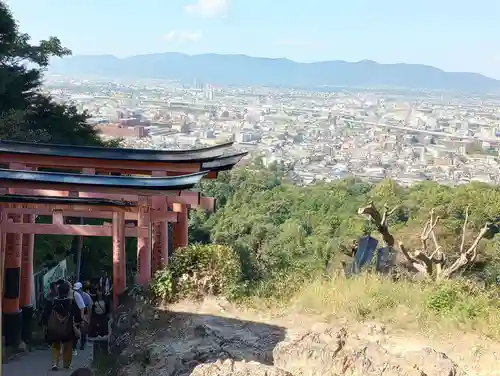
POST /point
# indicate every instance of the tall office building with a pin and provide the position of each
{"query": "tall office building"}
(209, 92)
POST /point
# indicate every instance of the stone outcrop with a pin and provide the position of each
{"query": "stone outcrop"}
(189, 340)
(204, 345)
(237, 368)
(332, 351)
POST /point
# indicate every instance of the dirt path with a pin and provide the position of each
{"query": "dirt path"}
(38, 363)
(477, 356)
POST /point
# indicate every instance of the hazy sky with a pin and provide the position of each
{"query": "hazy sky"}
(457, 35)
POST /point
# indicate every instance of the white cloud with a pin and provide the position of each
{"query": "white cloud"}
(208, 8)
(183, 36)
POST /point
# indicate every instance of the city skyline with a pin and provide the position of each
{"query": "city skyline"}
(444, 35)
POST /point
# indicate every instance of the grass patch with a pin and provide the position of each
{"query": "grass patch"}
(450, 306)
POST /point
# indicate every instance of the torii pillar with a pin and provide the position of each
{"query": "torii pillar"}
(119, 258)
(11, 300)
(25, 298)
(180, 229)
(143, 244)
(11, 313)
(27, 256)
(160, 232)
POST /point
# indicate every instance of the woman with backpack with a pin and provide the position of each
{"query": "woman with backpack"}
(61, 318)
(99, 315)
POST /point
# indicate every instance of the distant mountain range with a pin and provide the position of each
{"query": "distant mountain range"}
(246, 70)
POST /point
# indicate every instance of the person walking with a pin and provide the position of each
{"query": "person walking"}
(61, 317)
(87, 300)
(99, 315)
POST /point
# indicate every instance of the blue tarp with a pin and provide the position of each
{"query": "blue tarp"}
(364, 254)
(366, 249)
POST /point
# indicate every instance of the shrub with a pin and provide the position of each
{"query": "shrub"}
(198, 270)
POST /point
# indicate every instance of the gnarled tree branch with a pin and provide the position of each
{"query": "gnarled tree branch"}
(432, 265)
(380, 220)
(466, 257)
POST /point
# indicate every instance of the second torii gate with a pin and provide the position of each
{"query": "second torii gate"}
(18, 259)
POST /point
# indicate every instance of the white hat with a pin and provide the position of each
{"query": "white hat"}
(77, 286)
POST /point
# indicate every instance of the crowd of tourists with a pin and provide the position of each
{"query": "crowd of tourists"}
(74, 314)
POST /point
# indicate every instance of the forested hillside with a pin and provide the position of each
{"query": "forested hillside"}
(283, 231)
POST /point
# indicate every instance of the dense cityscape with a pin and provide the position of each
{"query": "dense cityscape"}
(318, 136)
(218, 187)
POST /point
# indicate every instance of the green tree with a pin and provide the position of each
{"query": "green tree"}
(26, 113)
(285, 234)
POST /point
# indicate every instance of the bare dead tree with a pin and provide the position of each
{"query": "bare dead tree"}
(430, 263)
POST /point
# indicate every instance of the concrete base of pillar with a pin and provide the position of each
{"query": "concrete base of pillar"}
(12, 327)
(27, 321)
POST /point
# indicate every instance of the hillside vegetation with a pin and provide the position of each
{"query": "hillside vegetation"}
(287, 243)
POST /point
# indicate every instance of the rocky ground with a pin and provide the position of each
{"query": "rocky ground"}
(212, 338)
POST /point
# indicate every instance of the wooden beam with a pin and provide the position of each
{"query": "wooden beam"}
(163, 216)
(49, 208)
(108, 214)
(84, 188)
(118, 197)
(106, 171)
(58, 229)
(99, 164)
(180, 197)
(186, 198)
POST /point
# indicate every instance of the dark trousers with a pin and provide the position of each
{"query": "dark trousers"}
(83, 341)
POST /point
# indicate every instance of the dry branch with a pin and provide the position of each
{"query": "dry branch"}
(466, 257)
(380, 220)
(464, 229)
(433, 265)
(428, 231)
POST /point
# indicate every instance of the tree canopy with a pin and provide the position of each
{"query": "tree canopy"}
(29, 114)
(26, 113)
(281, 230)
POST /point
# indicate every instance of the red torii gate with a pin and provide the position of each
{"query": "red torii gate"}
(156, 200)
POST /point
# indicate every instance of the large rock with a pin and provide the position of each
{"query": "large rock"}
(332, 352)
(194, 344)
(191, 340)
(234, 368)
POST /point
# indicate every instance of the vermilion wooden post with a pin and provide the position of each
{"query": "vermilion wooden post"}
(180, 229)
(160, 232)
(143, 251)
(119, 271)
(26, 275)
(79, 244)
(27, 264)
(25, 302)
(2, 276)
(12, 319)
